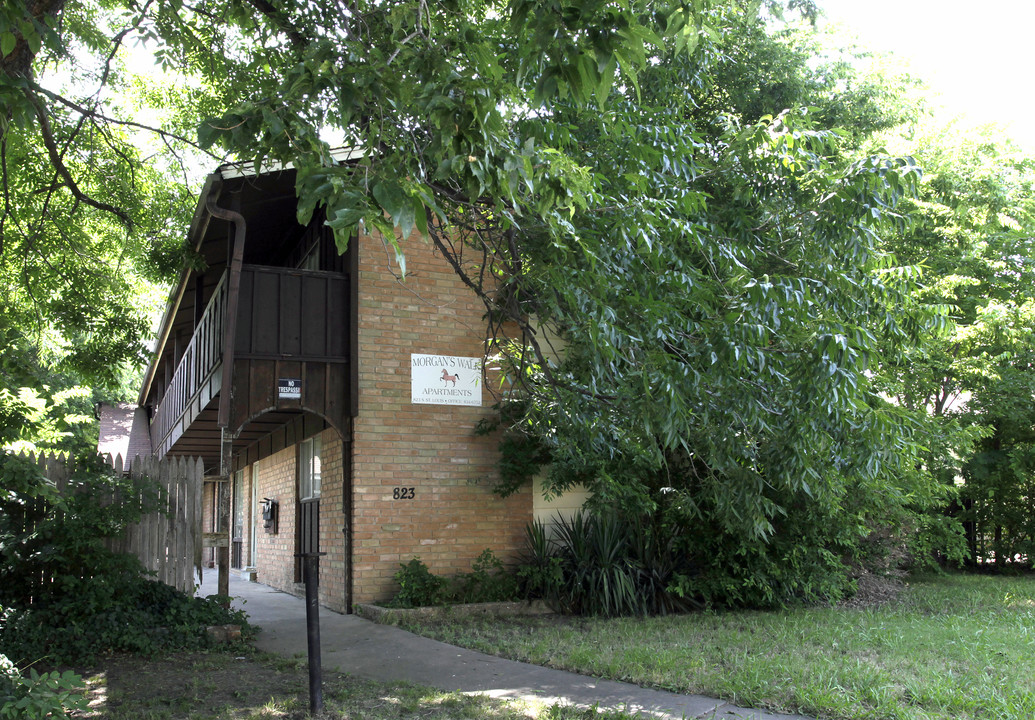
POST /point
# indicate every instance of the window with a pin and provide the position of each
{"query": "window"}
(311, 261)
(237, 536)
(309, 474)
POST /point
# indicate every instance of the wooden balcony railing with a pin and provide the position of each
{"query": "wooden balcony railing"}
(283, 314)
(196, 371)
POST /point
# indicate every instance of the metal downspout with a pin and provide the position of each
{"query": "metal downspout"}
(223, 418)
(230, 326)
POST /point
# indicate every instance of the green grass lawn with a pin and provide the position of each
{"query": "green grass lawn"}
(956, 646)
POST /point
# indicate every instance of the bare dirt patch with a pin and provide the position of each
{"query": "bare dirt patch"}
(875, 590)
(196, 685)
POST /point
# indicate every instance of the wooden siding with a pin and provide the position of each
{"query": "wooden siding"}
(290, 324)
(286, 313)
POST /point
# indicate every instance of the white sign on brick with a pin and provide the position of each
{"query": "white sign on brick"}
(445, 380)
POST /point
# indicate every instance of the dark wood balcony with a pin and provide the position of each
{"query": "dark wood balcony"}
(195, 382)
(290, 325)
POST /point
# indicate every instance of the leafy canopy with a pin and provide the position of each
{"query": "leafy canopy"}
(972, 236)
(680, 254)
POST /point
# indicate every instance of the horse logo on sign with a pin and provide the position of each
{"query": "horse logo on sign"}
(447, 378)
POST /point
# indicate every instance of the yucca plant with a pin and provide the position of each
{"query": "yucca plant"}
(598, 574)
(604, 564)
(539, 569)
(656, 555)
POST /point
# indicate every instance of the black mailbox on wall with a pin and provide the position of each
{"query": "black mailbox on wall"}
(269, 515)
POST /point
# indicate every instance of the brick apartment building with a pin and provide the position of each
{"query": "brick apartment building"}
(337, 399)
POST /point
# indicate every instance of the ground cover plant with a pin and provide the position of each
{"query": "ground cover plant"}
(64, 595)
(488, 581)
(243, 686)
(950, 646)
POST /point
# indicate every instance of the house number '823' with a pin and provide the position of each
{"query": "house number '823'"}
(403, 493)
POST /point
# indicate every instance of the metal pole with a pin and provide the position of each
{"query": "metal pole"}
(311, 568)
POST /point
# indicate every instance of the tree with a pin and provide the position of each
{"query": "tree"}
(718, 302)
(972, 236)
(707, 253)
(88, 222)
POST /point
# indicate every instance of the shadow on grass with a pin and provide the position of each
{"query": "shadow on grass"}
(227, 686)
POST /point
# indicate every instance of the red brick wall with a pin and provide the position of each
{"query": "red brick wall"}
(275, 564)
(454, 515)
(332, 520)
(277, 477)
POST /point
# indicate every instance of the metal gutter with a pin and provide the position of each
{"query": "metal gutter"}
(233, 292)
(229, 171)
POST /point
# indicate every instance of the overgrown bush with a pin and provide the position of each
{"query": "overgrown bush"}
(488, 581)
(540, 572)
(418, 587)
(610, 564)
(67, 597)
(668, 539)
(937, 540)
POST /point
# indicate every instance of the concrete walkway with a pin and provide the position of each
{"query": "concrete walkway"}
(384, 653)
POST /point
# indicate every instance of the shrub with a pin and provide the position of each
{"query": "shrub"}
(660, 563)
(598, 574)
(539, 571)
(40, 695)
(937, 540)
(605, 564)
(67, 597)
(105, 614)
(488, 581)
(417, 586)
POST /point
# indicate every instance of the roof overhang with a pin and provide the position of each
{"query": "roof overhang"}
(257, 186)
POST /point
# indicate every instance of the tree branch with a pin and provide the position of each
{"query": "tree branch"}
(59, 165)
(18, 63)
(281, 20)
(116, 121)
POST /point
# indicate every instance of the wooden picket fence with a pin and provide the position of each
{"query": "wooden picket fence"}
(167, 541)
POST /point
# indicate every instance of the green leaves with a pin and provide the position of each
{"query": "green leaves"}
(39, 696)
(93, 600)
(393, 200)
(577, 46)
(972, 374)
(722, 296)
(624, 181)
(37, 32)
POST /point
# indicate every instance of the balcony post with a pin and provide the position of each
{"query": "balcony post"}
(223, 495)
